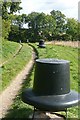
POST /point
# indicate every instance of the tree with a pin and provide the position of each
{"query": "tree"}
(79, 31)
(17, 32)
(33, 26)
(47, 25)
(40, 26)
(72, 28)
(19, 20)
(60, 22)
(15, 7)
(8, 8)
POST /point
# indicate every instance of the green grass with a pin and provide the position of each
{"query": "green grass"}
(15, 65)
(8, 49)
(21, 110)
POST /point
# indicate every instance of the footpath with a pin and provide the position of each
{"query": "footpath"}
(7, 96)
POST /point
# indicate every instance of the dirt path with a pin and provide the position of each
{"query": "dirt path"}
(7, 96)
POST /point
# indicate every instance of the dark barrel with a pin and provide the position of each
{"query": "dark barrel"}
(41, 43)
(51, 77)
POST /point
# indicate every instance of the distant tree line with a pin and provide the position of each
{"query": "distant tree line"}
(53, 26)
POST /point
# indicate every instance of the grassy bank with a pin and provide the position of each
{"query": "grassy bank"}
(21, 110)
(8, 49)
(15, 65)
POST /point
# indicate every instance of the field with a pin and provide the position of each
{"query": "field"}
(21, 110)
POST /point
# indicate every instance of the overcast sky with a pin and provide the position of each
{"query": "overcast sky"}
(67, 7)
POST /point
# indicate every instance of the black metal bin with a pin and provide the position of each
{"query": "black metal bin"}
(51, 87)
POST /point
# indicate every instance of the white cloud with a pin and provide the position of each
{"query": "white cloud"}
(68, 7)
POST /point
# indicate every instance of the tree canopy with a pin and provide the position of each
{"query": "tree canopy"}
(8, 10)
(39, 25)
(72, 28)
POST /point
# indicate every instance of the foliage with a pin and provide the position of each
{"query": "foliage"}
(60, 21)
(33, 26)
(50, 27)
(19, 20)
(5, 28)
(79, 31)
(72, 28)
(39, 25)
(8, 10)
(16, 34)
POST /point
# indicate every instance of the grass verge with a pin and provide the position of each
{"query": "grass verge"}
(15, 65)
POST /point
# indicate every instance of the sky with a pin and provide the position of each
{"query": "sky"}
(79, 11)
(68, 7)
